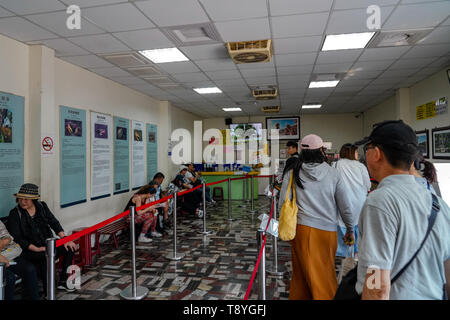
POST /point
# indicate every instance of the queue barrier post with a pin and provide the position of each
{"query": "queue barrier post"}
(204, 232)
(262, 266)
(275, 272)
(173, 255)
(247, 199)
(244, 186)
(252, 207)
(2, 280)
(133, 291)
(229, 200)
(50, 252)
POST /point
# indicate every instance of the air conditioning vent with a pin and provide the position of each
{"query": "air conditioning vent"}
(398, 38)
(126, 59)
(192, 34)
(270, 109)
(250, 51)
(147, 71)
(265, 93)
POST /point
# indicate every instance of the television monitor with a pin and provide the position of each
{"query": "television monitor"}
(257, 126)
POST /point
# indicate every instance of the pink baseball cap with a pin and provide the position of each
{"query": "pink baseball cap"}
(311, 142)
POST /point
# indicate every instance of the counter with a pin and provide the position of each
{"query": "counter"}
(236, 186)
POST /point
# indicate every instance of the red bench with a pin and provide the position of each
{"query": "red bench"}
(112, 229)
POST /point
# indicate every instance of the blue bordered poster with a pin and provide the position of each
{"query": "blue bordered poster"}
(152, 151)
(121, 135)
(138, 154)
(11, 149)
(72, 136)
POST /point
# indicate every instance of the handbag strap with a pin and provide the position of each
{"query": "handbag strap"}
(435, 207)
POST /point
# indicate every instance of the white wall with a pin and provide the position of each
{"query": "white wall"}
(384, 111)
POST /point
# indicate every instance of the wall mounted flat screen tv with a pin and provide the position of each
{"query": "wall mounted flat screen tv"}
(257, 126)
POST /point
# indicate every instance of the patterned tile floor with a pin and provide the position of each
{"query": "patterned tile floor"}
(217, 266)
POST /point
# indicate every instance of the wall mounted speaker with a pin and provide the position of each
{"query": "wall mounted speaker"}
(228, 121)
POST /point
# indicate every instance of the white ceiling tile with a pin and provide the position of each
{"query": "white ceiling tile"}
(288, 7)
(418, 16)
(438, 35)
(292, 85)
(261, 81)
(90, 3)
(295, 59)
(338, 56)
(441, 62)
(446, 22)
(220, 10)
(56, 22)
(291, 70)
(191, 76)
(5, 13)
(226, 83)
(208, 51)
(432, 50)
(263, 72)
(144, 39)
(332, 67)
(388, 53)
(128, 80)
(299, 79)
(299, 25)
(256, 65)
(89, 61)
(63, 47)
(411, 63)
(297, 45)
(223, 74)
(23, 30)
(351, 21)
(120, 17)
(110, 72)
(360, 74)
(353, 83)
(101, 43)
(173, 12)
(215, 65)
(22, 7)
(244, 30)
(398, 73)
(362, 4)
(199, 84)
(178, 67)
(371, 65)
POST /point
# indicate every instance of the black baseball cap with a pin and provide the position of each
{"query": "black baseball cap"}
(393, 134)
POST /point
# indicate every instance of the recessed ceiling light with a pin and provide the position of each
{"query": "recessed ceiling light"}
(311, 106)
(231, 109)
(164, 55)
(207, 90)
(323, 84)
(346, 41)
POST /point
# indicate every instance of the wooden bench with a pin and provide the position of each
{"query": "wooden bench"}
(112, 229)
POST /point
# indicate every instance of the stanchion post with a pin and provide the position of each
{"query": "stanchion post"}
(252, 208)
(274, 272)
(2, 280)
(205, 232)
(50, 255)
(229, 200)
(247, 199)
(173, 255)
(262, 266)
(133, 291)
(244, 186)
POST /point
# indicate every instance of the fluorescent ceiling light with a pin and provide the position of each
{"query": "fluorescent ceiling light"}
(323, 84)
(231, 109)
(207, 90)
(164, 55)
(346, 41)
(311, 106)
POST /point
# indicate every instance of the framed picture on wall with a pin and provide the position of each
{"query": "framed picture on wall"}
(423, 141)
(441, 143)
(289, 127)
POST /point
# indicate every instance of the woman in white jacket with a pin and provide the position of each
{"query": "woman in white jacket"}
(356, 177)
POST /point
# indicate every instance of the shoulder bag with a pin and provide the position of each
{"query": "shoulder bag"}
(288, 214)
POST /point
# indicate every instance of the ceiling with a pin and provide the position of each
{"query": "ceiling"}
(297, 28)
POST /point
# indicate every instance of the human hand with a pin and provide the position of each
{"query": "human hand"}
(349, 238)
(4, 260)
(70, 245)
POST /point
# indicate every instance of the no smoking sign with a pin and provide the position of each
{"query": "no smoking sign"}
(47, 145)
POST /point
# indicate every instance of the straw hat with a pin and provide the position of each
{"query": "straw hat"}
(28, 191)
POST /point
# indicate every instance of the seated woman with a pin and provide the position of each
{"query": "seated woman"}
(147, 216)
(30, 223)
(10, 255)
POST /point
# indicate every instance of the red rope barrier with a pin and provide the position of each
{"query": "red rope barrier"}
(246, 177)
(264, 176)
(217, 182)
(189, 190)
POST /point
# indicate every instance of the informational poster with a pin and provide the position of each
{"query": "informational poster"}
(121, 155)
(101, 152)
(138, 154)
(152, 151)
(72, 156)
(11, 149)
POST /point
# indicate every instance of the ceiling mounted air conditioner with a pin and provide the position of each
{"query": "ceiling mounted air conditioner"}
(270, 109)
(265, 93)
(250, 51)
(398, 38)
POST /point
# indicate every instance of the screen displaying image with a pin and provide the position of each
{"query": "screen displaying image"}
(121, 133)
(443, 177)
(101, 131)
(137, 135)
(245, 126)
(5, 125)
(72, 128)
(151, 137)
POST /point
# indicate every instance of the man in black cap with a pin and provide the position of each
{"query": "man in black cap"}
(394, 223)
(30, 223)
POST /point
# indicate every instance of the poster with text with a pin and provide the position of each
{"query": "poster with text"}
(138, 154)
(72, 156)
(152, 151)
(101, 152)
(11, 149)
(121, 155)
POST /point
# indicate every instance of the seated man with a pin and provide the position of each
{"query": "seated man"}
(194, 179)
(163, 207)
(10, 254)
(30, 223)
(190, 202)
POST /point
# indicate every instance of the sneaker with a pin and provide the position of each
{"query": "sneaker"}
(63, 286)
(156, 234)
(143, 238)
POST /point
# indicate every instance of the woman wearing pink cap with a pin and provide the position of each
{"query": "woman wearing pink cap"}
(321, 197)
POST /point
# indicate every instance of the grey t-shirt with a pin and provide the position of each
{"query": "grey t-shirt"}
(392, 225)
